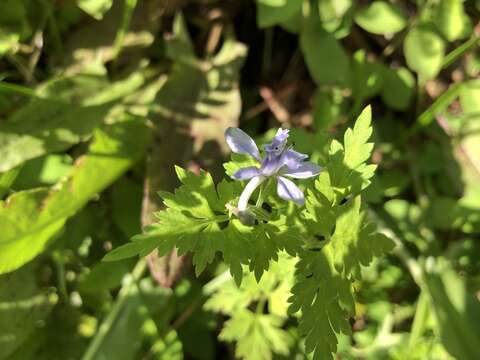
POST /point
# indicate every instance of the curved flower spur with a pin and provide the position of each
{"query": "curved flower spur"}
(280, 162)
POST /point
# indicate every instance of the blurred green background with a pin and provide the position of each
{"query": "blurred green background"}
(100, 98)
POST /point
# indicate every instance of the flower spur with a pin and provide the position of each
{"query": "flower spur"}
(280, 162)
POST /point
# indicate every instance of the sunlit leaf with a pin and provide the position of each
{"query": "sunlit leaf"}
(382, 17)
(31, 218)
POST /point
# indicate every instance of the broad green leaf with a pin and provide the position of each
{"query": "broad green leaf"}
(470, 97)
(451, 19)
(22, 305)
(42, 171)
(332, 13)
(424, 51)
(326, 59)
(457, 311)
(31, 218)
(398, 88)
(382, 17)
(202, 93)
(45, 127)
(367, 79)
(444, 213)
(121, 334)
(329, 106)
(65, 113)
(105, 276)
(95, 8)
(273, 12)
(7, 179)
(14, 25)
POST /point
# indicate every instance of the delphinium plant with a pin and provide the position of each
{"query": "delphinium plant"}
(262, 216)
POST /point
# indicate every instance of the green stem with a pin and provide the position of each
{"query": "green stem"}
(452, 56)
(419, 321)
(129, 7)
(60, 269)
(260, 306)
(130, 282)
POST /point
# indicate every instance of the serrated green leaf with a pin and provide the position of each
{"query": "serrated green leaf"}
(191, 224)
(274, 287)
(31, 218)
(258, 332)
(325, 300)
(357, 147)
(347, 167)
(355, 241)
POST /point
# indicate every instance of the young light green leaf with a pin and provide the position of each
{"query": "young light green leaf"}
(347, 168)
(424, 51)
(273, 12)
(451, 19)
(95, 8)
(382, 17)
(257, 335)
(333, 12)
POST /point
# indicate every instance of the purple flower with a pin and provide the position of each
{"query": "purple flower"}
(280, 162)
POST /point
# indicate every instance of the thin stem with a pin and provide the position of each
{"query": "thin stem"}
(130, 282)
(452, 56)
(129, 7)
(260, 306)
